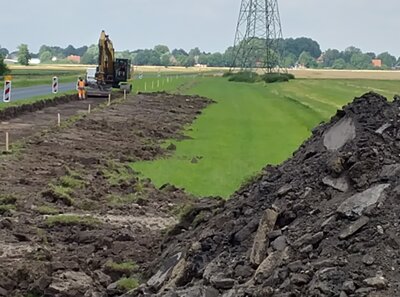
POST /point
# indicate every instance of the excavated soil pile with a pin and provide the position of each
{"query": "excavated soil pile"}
(75, 219)
(324, 223)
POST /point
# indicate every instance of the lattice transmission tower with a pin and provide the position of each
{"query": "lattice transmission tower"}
(258, 39)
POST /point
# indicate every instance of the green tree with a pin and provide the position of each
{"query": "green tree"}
(339, 64)
(3, 51)
(371, 54)
(360, 61)
(349, 52)
(289, 60)
(123, 55)
(203, 59)
(91, 56)
(307, 60)
(229, 56)
(387, 59)
(44, 48)
(299, 45)
(45, 57)
(215, 60)
(166, 59)
(330, 56)
(161, 49)
(23, 55)
(3, 67)
(181, 57)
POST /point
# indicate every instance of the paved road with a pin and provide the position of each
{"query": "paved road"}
(23, 93)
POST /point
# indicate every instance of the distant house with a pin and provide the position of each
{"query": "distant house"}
(377, 63)
(75, 59)
(34, 61)
(200, 65)
(10, 61)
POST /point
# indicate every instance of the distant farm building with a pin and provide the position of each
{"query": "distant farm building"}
(377, 63)
(200, 65)
(75, 59)
(34, 61)
(10, 61)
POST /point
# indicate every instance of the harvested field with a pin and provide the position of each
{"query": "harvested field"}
(324, 223)
(75, 220)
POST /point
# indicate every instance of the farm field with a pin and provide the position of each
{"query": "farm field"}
(24, 76)
(34, 77)
(250, 126)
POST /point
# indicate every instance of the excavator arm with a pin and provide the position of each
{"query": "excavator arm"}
(105, 71)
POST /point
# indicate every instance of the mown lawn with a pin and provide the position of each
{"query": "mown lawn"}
(251, 125)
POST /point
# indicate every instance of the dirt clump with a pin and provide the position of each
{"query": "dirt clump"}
(323, 223)
(75, 218)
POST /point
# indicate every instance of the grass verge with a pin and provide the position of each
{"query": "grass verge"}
(251, 125)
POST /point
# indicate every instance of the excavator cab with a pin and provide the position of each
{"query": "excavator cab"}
(122, 71)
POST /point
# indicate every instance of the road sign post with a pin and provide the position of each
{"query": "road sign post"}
(54, 87)
(7, 91)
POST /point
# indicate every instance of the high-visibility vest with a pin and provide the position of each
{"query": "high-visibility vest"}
(81, 84)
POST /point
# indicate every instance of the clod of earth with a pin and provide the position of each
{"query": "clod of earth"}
(337, 229)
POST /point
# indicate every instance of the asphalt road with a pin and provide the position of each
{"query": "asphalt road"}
(24, 93)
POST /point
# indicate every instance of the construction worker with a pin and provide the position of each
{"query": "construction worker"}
(81, 88)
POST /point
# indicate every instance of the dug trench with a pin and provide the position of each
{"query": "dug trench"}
(324, 223)
(75, 219)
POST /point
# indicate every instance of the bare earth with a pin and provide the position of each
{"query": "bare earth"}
(81, 170)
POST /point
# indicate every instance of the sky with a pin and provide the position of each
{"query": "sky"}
(209, 24)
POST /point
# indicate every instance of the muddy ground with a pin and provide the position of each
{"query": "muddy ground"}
(74, 217)
(28, 119)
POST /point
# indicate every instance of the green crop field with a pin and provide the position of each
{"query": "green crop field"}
(251, 125)
(34, 77)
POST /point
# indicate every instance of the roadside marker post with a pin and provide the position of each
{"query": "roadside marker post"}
(7, 143)
(89, 109)
(109, 100)
(54, 86)
(7, 91)
(124, 94)
(58, 119)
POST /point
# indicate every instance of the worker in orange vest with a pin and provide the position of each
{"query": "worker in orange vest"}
(81, 88)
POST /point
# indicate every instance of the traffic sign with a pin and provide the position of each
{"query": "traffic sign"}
(54, 86)
(7, 91)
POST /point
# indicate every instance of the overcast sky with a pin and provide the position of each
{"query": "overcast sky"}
(210, 24)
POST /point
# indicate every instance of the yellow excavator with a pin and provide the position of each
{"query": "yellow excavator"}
(110, 72)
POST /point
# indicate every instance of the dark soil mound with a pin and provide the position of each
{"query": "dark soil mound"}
(324, 223)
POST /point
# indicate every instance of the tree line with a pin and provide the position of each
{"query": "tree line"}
(302, 51)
